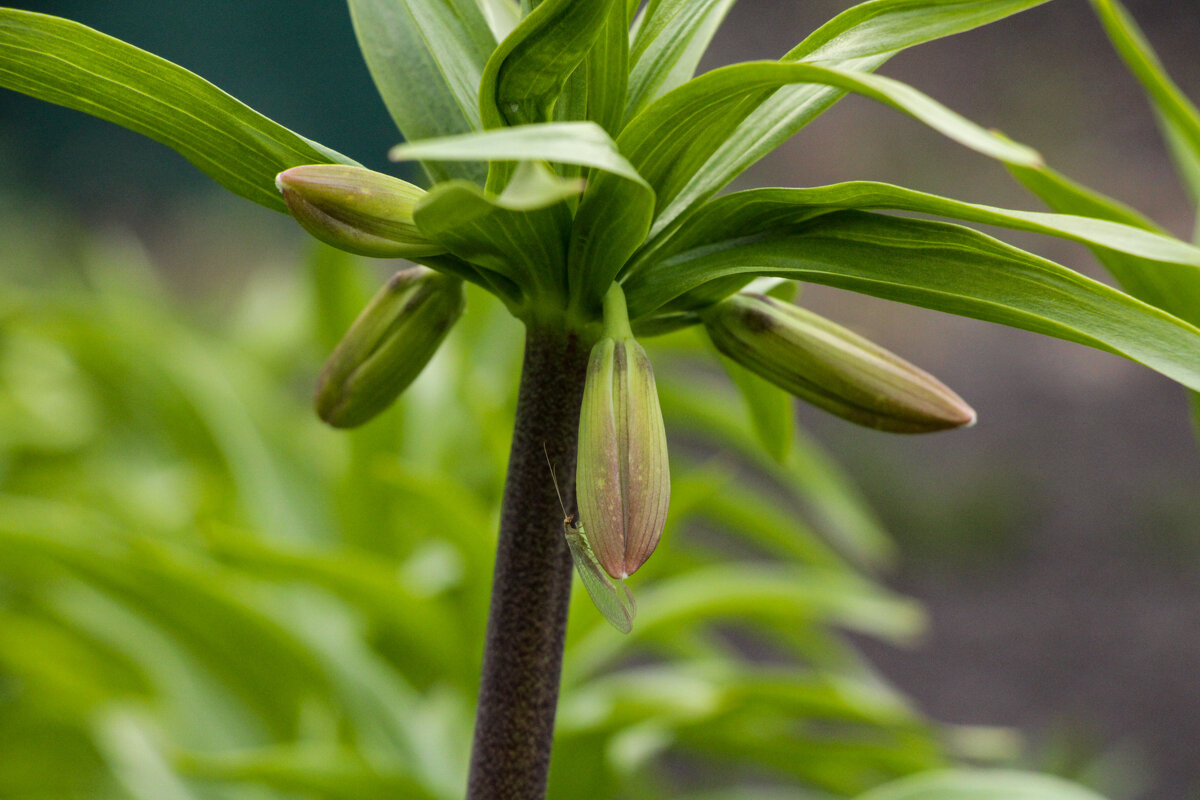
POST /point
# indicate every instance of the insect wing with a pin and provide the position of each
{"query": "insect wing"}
(611, 597)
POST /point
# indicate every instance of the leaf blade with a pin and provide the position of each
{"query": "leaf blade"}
(582, 143)
(867, 37)
(979, 784)
(426, 59)
(668, 47)
(669, 141)
(1169, 286)
(1172, 104)
(526, 73)
(744, 213)
(513, 238)
(944, 267)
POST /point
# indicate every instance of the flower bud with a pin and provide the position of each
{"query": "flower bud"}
(387, 346)
(622, 479)
(831, 367)
(356, 210)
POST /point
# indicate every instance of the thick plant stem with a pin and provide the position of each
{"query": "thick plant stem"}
(527, 622)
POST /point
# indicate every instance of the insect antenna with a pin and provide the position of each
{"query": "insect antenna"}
(554, 479)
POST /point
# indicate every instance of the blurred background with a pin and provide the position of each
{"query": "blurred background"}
(1055, 546)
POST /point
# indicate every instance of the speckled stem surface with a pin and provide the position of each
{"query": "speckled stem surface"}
(527, 621)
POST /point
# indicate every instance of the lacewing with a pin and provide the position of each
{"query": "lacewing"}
(611, 596)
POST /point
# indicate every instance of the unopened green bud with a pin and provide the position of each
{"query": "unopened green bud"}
(356, 210)
(832, 368)
(622, 478)
(387, 346)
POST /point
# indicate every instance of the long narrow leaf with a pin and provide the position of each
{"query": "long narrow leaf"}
(862, 38)
(979, 784)
(69, 64)
(669, 44)
(1168, 100)
(754, 211)
(526, 73)
(514, 234)
(583, 143)
(312, 771)
(751, 591)
(1187, 163)
(943, 267)
(1167, 285)
(502, 16)
(676, 134)
(809, 473)
(607, 71)
(1177, 115)
(426, 58)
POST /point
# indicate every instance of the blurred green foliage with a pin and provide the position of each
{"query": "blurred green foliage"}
(206, 593)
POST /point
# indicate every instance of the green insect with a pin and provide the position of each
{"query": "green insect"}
(611, 596)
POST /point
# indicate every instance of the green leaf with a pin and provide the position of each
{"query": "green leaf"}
(772, 410)
(517, 234)
(757, 210)
(979, 784)
(201, 607)
(1177, 115)
(1195, 398)
(1170, 286)
(889, 26)
(862, 38)
(809, 473)
(583, 143)
(673, 138)
(1173, 106)
(607, 71)
(670, 41)
(371, 583)
(943, 267)
(426, 58)
(751, 591)
(754, 514)
(311, 770)
(675, 135)
(1133, 240)
(66, 63)
(502, 16)
(526, 73)
(1187, 163)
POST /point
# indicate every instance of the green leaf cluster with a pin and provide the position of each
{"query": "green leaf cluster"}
(1159, 281)
(604, 89)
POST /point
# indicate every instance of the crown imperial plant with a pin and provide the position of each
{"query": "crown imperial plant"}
(574, 157)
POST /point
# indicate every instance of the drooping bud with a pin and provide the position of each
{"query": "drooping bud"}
(356, 210)
(387, 346)
(622, 478)
(831, 367)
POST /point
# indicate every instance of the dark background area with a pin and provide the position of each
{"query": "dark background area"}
(1056, 544)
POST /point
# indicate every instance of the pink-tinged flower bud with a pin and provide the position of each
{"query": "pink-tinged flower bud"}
(387, 346)
(356, 210)
(832, 368)
(622, 479)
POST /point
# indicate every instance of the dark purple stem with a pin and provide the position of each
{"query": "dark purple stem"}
(527, 621)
